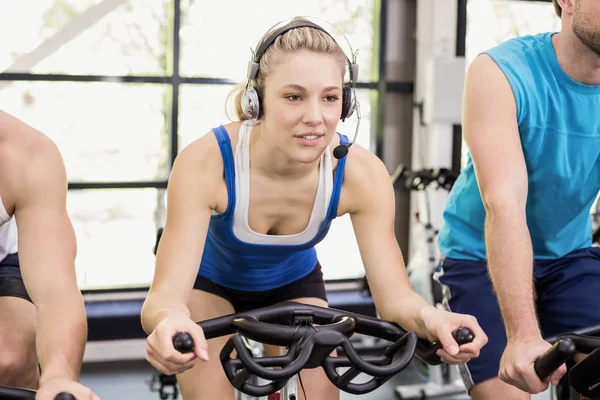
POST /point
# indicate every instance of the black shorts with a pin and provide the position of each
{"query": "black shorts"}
(311, 285)
(11, 281)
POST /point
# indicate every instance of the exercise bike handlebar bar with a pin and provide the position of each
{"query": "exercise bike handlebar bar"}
(584, 376)
(12, 393)
(290, 325)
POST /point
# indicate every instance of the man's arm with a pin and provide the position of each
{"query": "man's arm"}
(47, 249)
(492, 135)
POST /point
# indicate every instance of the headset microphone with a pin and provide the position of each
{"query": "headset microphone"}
(341, 150)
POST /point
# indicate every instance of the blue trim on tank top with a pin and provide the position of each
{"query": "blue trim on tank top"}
(229, 171)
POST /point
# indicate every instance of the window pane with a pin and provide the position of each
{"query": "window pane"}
(205, 37)
(85, 36)
(491, 22)
(105, 131)
(338, 253)
(116, 232)
(202, 107)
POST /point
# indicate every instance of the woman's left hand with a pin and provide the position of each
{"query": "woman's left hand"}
(439, 325)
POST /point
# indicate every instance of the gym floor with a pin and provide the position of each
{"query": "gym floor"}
(134, 377)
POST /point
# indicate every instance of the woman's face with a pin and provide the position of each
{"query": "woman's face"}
(302, 103)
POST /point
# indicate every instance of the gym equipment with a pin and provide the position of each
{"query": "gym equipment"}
(311, 334)
(13, 393)
(441, 380)
(584, 377)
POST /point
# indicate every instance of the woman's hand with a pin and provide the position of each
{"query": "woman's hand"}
(161, 353)
(439, 326)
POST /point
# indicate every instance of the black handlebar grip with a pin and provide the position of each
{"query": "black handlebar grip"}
(183, 342)
(64, 396)
(463, 335)
(554, 357)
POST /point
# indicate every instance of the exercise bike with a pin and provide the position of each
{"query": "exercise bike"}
(13, 393)
(311, 334)
(584, 376)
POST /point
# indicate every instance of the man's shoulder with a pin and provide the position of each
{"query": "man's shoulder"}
(21, 141)
(24, 151)
(522, 45)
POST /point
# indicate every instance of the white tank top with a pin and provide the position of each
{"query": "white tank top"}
(242, 230)
(8, 233)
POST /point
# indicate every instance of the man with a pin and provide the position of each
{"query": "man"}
(517, 235)
(42, 316)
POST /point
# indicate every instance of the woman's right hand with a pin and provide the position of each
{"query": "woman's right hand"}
(161, 353)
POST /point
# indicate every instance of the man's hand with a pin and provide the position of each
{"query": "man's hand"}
(439, 326)
(516, 365)
(50, 389)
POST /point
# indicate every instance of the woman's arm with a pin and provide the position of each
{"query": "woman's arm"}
(194, 181)
(372, 207)
(373, 217)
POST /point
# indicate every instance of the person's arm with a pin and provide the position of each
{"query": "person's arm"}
(373, 214)
(492, 135)
(195, 178)
(47, 250)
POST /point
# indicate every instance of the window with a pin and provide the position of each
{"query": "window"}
(215, 48)
(87, 37)
(107, 132)
(491, 22)
(97, 77)
(116, 232)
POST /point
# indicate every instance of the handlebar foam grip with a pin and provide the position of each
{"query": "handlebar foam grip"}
(554, 357)
(64, 396)
(183, 342)
(463, 335)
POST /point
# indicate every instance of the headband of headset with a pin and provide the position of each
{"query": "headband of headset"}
(269, 40)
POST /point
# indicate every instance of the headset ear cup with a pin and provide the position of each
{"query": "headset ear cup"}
(348, 105)
(250, 103)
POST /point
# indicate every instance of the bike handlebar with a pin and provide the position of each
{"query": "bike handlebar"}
(12, 393)
(290, 324)
(554, 357)
(583, 377)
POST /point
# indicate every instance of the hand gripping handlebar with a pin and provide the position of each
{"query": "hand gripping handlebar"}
(311, 334)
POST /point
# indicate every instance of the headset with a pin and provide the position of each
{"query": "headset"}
(251, 99)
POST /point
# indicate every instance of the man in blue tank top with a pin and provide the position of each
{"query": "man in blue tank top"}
(516, 240)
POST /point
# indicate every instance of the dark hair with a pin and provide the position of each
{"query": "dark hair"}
(557, 8)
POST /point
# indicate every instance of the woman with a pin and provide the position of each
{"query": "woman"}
(249, 201)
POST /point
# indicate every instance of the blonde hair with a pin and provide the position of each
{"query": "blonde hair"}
(557, 8)
(291, 41)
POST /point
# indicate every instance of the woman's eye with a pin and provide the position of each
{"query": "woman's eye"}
(293, 97)
(331, 99)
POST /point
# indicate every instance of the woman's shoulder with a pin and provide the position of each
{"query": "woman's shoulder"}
(365, 176)
(206, 147)
(204, 154)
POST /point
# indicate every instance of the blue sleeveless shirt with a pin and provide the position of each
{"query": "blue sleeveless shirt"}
(559, 126)
(240, 265)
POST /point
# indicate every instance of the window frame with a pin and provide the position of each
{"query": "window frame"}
(100, 303)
